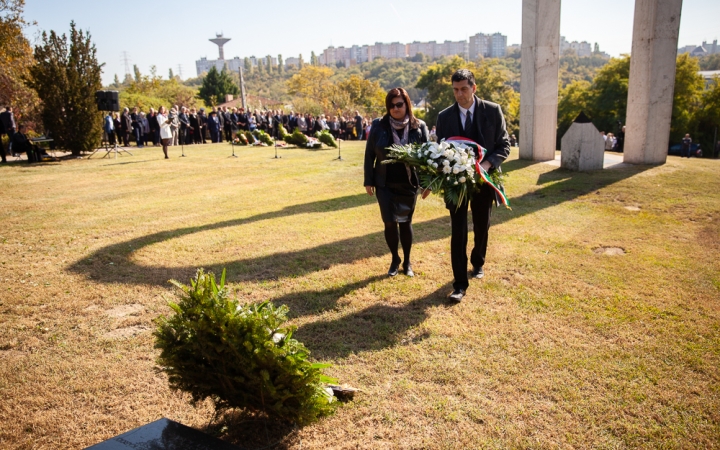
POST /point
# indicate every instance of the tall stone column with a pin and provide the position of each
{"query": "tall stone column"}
(652, 80)
(539, 79)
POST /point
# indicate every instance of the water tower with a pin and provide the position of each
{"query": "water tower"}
(220, 41)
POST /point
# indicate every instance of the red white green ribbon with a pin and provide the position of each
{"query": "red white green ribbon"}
(479, 169)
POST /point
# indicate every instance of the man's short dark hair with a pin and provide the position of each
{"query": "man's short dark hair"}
(463, 74)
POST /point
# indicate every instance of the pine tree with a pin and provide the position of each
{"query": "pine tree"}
(313, 59)
(171, 75)
(216, 85)
(66, 76)
(260, 65)
(116, 81)
(269, 64)
(136, 71)
(248, 65)
(281, 69)
(301, 63)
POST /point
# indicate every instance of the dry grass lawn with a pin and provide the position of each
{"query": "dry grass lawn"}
(597, 324)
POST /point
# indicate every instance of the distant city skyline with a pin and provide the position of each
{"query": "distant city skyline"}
(169, 35)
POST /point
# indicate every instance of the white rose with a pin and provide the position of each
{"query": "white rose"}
(446, 163)
(430, 162)
(435, 165)
(456, 170)
(462, 179)
(455, 183)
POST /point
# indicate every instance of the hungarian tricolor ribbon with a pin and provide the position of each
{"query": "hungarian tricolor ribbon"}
(481, 152)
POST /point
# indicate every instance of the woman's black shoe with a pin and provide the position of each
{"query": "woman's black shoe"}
(393, 270)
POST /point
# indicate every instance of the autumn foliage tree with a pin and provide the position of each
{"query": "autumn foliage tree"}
(15, 59)
(492, 85)
(66, 75)
(315, 92)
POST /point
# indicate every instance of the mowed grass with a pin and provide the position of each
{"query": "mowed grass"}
(560, 346)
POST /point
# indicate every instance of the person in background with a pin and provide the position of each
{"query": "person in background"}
(144, 127)
(166, 132)
(174, 125)
(358, 125)
(334, 127)
(7, 126)
(214, 126)
(194, 126)
(126, 126)
(184, 136)
(118, 127)
(395, 185)
(227, 123)
(202, 121)
(136, 127)
(686, 145)
(21, 144)
(154, 127)
(609, 142)
(301, 124)
(109, 128)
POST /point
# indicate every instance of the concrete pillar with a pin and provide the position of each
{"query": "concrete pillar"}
(652, 80)
(539, 79)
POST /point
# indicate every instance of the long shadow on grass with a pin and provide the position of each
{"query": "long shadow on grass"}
(373, 328)
(112, 264)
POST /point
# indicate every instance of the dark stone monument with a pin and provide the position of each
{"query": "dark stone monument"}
(164, 434)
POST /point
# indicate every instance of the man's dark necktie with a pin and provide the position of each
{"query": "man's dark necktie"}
(468, 121)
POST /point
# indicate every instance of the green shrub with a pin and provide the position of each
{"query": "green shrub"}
(326, 138)
(282, 133)
(297, 138)
(240, 139)
(250, 137)
(263, 137)
(239, 356)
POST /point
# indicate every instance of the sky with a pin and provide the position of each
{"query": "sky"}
(174, 34)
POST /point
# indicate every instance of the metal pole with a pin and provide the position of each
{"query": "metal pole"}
(276, 155)
(339, 158)
(242, 89)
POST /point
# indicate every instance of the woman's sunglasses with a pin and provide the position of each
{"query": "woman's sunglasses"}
(397, 105)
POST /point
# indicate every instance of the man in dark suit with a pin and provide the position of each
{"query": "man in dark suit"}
(184, 126)
(228, 123)
(126, 126)
(484, 123)
(7, 126)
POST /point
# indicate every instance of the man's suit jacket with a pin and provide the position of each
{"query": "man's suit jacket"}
(8, 121)
(126, 122)
(490, 124)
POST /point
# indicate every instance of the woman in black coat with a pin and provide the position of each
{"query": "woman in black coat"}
(396, 185)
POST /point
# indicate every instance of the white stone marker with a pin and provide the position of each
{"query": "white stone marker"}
(652, 80)
(582, 147)
(539, 79)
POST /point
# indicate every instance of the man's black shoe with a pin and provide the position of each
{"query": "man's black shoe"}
(457, 295)
(477, 272)
(394, 266)
(408, 270)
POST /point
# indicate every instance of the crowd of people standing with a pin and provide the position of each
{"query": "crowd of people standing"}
(195, 126)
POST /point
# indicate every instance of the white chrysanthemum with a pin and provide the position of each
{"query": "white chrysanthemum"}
(455, 183)
(456, 170)
(446, 163)
(462, 179)
(430, 162)
(447, 169)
